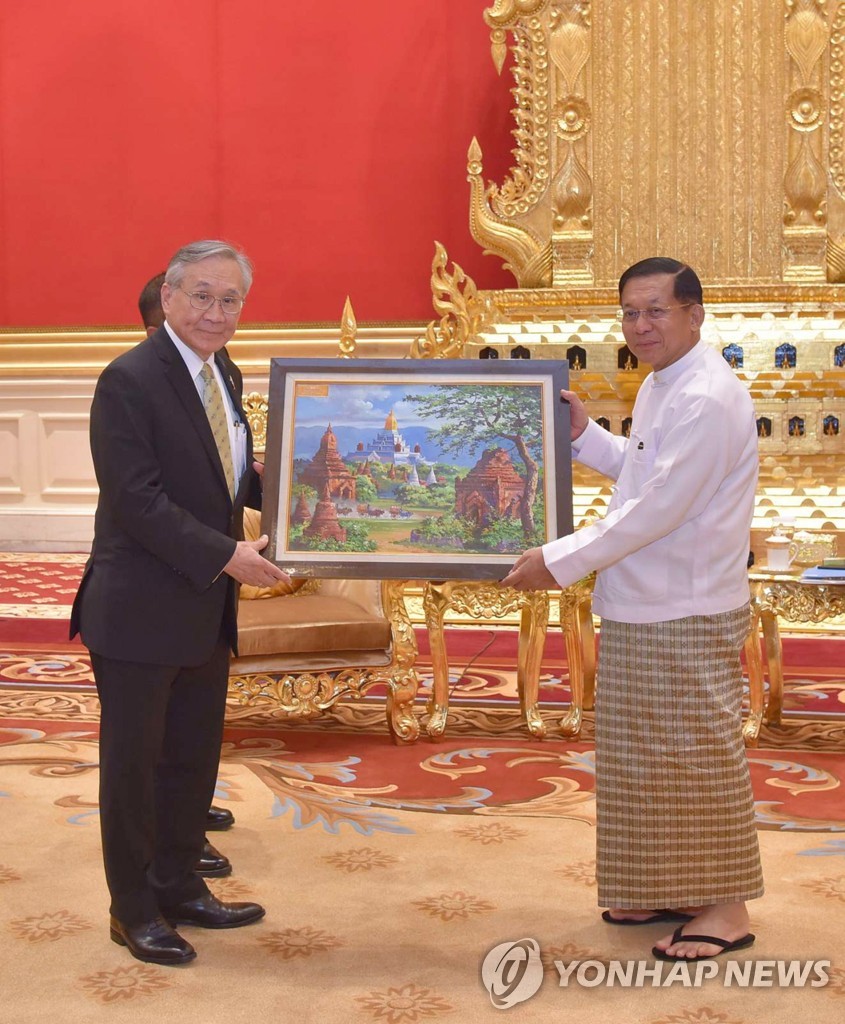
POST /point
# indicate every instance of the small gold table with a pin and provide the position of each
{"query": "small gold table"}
(489, 600)
(786, 595)
(486, 600)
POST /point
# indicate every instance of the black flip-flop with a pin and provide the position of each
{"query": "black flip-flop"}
(727, 947)
(656, 918)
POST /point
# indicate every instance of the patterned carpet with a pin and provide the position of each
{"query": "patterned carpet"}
(388, 872)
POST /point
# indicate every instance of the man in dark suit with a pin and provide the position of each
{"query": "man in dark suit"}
(212, 863)
(149, 304)
(157, 602)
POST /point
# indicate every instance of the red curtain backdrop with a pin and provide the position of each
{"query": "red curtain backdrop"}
(327, 138)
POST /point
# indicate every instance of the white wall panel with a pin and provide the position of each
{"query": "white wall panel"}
(11, 458)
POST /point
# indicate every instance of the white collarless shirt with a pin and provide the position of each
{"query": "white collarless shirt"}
(675, 539)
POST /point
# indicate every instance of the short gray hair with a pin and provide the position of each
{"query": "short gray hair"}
(196, 251)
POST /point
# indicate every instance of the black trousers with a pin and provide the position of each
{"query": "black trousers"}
(160, 732)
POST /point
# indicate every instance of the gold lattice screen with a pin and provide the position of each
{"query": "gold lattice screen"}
(713, 130)
(690, 137)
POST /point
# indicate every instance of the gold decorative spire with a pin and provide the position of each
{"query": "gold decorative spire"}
(390, 423)
(463, 312)
(348, 331)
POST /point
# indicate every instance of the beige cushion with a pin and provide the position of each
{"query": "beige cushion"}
(308, 624)
(328, 624)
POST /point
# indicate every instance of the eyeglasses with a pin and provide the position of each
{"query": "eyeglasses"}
(230, 304)
(653, 313)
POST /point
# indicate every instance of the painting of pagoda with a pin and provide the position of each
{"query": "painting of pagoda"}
(385, 471)
(491, 488)
(388, 446)
(327, 470)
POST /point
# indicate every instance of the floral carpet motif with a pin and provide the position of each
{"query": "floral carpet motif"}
(335, 782)
(406, 1004)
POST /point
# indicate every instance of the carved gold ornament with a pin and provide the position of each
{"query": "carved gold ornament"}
(806, 34)
(805, 184)
(255, 408)
(570, 49)
(836, 121)
(525, 255)
(464, 314)
(504, 12)
(524, 188)
(804, 110)
(571, 118)
(573, 193)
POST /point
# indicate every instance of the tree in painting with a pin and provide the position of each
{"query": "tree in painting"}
(473, 415)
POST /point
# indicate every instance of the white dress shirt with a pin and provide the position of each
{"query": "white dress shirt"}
(237, 430)
(675, 539)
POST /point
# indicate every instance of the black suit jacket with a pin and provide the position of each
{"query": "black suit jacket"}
(153, 589)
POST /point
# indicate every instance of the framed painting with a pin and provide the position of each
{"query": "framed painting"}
(404, 469)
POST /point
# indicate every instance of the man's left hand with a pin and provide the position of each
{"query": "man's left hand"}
(530, 573)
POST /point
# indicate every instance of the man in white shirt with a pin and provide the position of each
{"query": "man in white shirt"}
(675, 837)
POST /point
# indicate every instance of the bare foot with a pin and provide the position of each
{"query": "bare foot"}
(727, 921)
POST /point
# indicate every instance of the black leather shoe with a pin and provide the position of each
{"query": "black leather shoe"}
(154, 942)
(209, 912)
(212, 863)
(219, 819)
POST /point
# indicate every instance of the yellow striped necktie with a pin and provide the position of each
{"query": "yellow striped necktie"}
(219, 423)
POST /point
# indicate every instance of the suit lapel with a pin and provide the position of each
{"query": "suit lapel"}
(227, 372)
(179, 378)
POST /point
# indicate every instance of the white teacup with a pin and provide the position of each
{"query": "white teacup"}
(780, 553)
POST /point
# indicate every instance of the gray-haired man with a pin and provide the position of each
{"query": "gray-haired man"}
(157, 603)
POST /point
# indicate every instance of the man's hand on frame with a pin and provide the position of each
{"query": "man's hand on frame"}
(530, 573)
(247, 566)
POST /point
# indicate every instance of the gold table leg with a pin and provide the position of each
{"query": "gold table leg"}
(761, 708)
(576, 621)
(484, 600)
(754, 664)
(436, 597)
(774, 663)
(532, 634)
(587, 635)
(403, 681)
